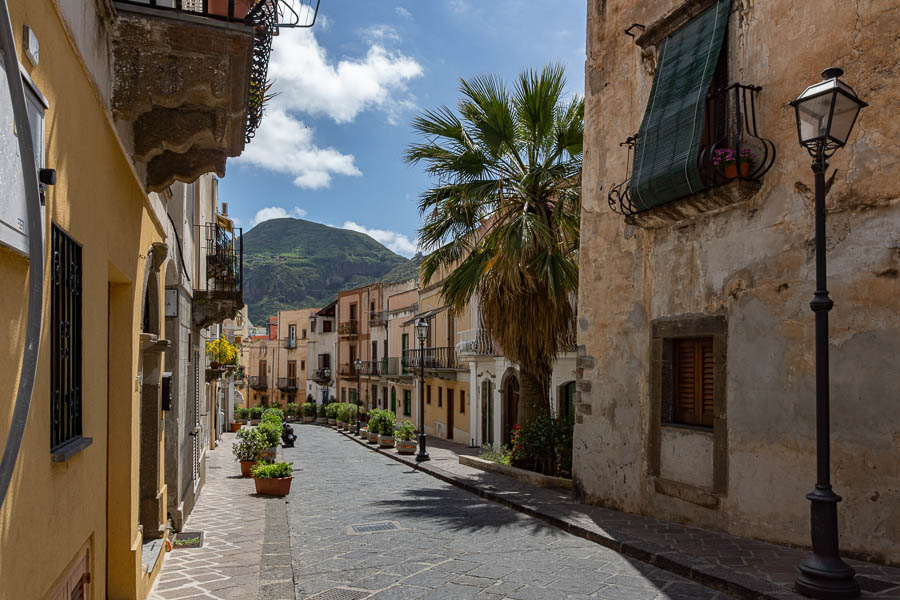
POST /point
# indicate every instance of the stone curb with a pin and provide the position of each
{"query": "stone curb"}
(663, 557)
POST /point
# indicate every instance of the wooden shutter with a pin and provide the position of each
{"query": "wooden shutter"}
(666, 151)
(694, 372)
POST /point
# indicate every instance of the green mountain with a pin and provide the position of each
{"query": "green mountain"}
(293, 263)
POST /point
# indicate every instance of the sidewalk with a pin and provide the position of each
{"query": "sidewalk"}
(739, 566)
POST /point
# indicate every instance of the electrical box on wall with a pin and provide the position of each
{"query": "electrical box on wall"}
(32, 48)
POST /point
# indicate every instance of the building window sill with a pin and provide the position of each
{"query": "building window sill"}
(697, 428)
(688, 493)
(70, 449)
(708, 201)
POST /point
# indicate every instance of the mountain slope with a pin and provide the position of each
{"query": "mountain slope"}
(293, 263)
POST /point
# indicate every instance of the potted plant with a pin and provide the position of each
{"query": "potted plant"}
(248, 446)
(291, 411)
(221, 352)
(309, 412)
(386, 429)
(729, 161)
(331, 412)
(273, 414)
(322, 412)
(350, 421)
(272, 434)
(240, 418)
(374, 425)
(256, 414)
(406, 438)
(220, 7)
(273, 479)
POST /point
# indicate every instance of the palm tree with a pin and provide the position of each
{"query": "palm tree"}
(504, 215)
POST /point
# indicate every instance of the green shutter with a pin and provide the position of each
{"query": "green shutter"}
(668, 142)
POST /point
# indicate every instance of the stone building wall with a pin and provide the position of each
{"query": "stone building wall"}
(744, 275)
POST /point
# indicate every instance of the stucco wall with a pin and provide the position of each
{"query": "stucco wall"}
(753, 264)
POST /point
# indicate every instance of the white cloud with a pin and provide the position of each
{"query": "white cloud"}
(378, 33)
(396, 242)
(459, 6)
(308, 82)
(276, 212)
(403, 12)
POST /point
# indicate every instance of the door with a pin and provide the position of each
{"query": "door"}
(384, 397)
(510, 407)
(394, 400)
(450, 392)
(487, 413)
(405, 343)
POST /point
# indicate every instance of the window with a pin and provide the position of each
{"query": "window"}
(374, 351)
(567, 401)
(76, 583)
(292, 332)
(343, 394)
(440, 396)
(303, 334)
(303, 365)
(462, 401)
(65, 334)
(353, 311)
(292, 369)
(407, 403)
(326, 326)
(427, 394)
(693, 372)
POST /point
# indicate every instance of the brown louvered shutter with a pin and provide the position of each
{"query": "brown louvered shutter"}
(693, 389)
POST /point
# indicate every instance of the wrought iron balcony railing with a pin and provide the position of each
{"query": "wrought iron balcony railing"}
(391, 367)
(258, 382)
(289, 342)
(441, 358)
(347, 371)
(320, 377)
(378, 319)
(287, 383)
(370, 367)
(476, 342)
(224, 259)
(731, 150)
(350, 327)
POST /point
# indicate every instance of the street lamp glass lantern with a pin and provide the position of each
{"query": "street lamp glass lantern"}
(358, 364)
(422, 329)
(826, 113)
(327, 373)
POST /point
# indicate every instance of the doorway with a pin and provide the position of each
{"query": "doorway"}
(487, 413)
(394, 400)
(450, 393)
(510, 407)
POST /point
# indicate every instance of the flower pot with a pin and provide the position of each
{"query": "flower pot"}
(340, 424)
(385, 441)
(308, 419)
(213, 364)
(220, 7)
(268, 454)
(246, 465)
(731, 170)
(275, 486)
(332, 421)
(254, 421)
(363, 433)
(322, 420)
(235, 427)
(406, 446)
(372, 436)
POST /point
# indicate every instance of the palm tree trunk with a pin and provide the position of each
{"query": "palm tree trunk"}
(533, 395)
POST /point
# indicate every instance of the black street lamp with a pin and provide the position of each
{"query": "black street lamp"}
(326, 374)
(826, 113)
(422, 333)
(358, 364)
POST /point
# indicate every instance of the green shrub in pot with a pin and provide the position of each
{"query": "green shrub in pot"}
(273, 415)
(256, 412)
(271, 431)
(292, 410)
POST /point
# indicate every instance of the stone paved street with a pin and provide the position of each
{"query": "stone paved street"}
(448, 543)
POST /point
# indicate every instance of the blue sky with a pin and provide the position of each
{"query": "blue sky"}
(331, 144)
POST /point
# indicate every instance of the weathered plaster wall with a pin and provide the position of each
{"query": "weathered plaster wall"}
(753, 263)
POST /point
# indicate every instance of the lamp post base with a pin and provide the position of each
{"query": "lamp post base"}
(824, 575)
(422, 456)
(358, 427)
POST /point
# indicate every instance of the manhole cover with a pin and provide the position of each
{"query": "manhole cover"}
(373, 527)
(188, 539)
(872, 585)
(340, 594)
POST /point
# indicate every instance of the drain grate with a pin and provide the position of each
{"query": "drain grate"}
(340, 594)
(373, 527)
(872, 585)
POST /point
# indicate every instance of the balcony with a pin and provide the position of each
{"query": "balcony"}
(371, 368)
(476, 342)
(433, 359)
(320, 377)
(258, 382)
(731, 162)
(287, 384)
(391, 367)
(349, 328)
(378, 319)
(223, 295)
(289, 343)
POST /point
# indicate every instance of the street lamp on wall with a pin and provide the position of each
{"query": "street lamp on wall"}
(422, 334)
(358, 365)
(826, 113)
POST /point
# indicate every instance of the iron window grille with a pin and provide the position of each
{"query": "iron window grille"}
(224, 258)
(66, 340)
(730, 130)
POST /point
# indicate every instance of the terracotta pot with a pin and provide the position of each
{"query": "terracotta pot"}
(340, 424)
(235, 427)
(308, 419)
(406, 447)
(213, 364)
(731, 171)
(332, 421)
(220, 7)
(278, 486)
(246, 465)
(372, 436)
(254, 421)
(268, 454)
(364, 433)
(322, 420)
(385, 441)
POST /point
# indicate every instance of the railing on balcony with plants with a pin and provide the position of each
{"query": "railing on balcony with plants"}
(432, 358)
(370, 367)
(224, 249)
(320, 377)
(258, 382)
(287, 383)
(349, 327)
(731, 148)
(289, 342)
(476, 342)
(265, 17)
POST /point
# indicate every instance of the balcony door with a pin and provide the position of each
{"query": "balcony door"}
(450, 413)
(292, 370)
